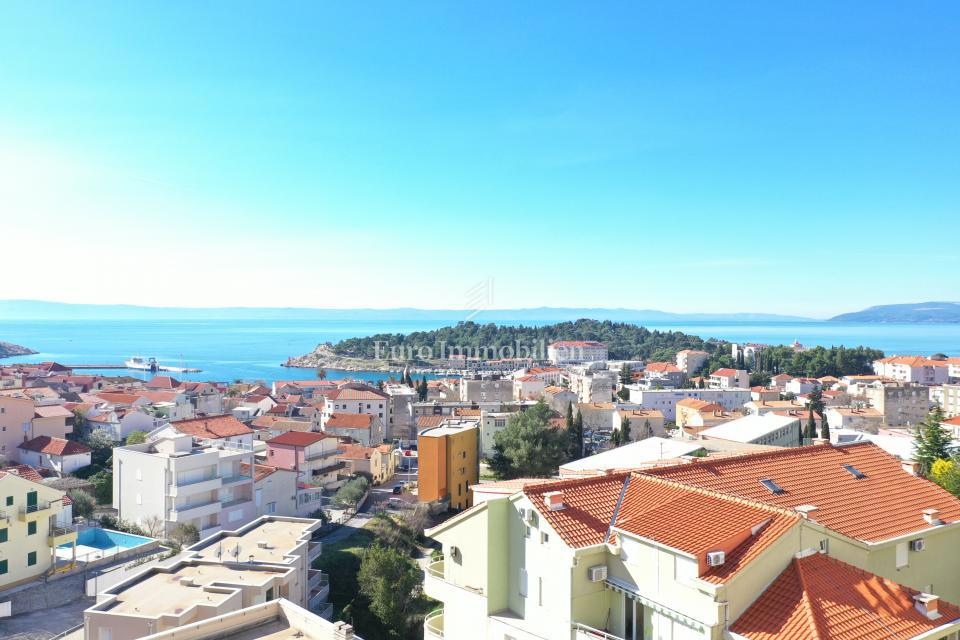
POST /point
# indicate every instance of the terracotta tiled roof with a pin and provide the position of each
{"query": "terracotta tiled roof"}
(55, 446)
(699, 405)
(821, 598)
(349, 393)
(467, 413)
(299, 438)
(888, 502)
(724, 372)
(509, 487)
(348, 421)
(356, 452)
(577, 343)
(590, 503)
(212, 427)
(162, 382)
(426, 422)
(260, 471)
(117, 398)
(25, 471)
(662, 367)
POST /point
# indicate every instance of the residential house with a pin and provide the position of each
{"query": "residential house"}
(558, 398)
(491, 423)
(665, 400)
(369, 461)
(275, 491)
(29, 531)
(644, 423)
(729, 379)
(355, 398)
(796, 543)
(448, 463)
(312, 455)
(664, 374)
(528, 387)
(56, 454)
(364, 428)
(177, 478)
(690, 361)
(802, 386)
(903, 404)
(856, 418)
(400, 423)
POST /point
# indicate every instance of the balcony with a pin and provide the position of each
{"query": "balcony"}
(314, 551)
(319, 584)
(191, 511)
(227, 504)
(193, 487)
(433, 625)
(34, 512)
(323, 454)
(234, 479)
(439, 587)
(61, 535)
(584, 632)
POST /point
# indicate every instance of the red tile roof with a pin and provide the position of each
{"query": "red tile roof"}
(590, 503)
(298, 438)
(727, 373)
(887, 503)
(349, 393)
(577, 343)
(821, 598)
(55, 446)
(162, 382)
(212, 427)
(25, 471)
(348, 421)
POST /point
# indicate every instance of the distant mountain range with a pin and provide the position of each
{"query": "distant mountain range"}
(918, 312)
(40, 310)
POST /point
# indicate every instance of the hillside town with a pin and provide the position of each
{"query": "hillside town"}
(572, 497)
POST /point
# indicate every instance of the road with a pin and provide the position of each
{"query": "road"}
(376, 500)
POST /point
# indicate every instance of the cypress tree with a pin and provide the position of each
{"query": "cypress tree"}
(932, 441)
(576, 437)
(811, 431)
(625, 430)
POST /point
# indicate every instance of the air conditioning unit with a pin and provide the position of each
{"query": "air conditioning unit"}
(716, 558)
(918, 545)
(524, 513)
(597, 573)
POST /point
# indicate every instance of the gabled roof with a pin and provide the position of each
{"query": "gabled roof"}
(212, 427)
(350, 393)
(724, 373)
(162, 382)
(299, 438)
(55, 446)
(821, 598)
(887, 503)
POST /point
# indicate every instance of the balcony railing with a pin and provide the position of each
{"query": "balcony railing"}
(435, 569)
(584, 632)
(433, 624)
(318, 580)
(226, 504)
(236, 478)
(323, 454)
(183, 511)
(315, 549)
(33, 511)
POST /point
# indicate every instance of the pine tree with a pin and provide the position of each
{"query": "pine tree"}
(825, 429)
(625, 430)
(570, 417)
(626, 375)
(932, 441)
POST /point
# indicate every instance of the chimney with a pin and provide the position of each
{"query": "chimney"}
(932, 516)
(911, 467)
(553, 500)
(820, 441)
(806, 511)
(927, 604)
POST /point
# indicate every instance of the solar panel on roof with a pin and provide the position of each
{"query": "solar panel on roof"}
(772, 486)
(856, 473)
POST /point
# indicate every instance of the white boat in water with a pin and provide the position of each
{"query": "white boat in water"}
(143, 364)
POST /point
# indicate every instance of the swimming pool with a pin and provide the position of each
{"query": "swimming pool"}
(105, 539)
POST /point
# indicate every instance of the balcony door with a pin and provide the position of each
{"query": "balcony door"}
(31, 502)
(632, 619)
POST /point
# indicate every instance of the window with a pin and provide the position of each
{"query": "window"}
(31, 558)
(544, 537)
(523, 583)
(902, 555)
(139, 474)
(32, 528)
(825, 545)
(9, 501)
(772, 486)
(271, 507)
(3, 535)
(3, 567)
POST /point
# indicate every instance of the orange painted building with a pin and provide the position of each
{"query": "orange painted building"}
(449, 463)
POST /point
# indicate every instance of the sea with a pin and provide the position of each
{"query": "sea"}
(255, 350)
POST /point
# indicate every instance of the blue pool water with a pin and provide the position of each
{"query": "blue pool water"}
(107, 539)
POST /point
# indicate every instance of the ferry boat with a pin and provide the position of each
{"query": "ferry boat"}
(142, 364)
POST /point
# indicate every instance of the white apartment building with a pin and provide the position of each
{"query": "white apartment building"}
(567, 352)
(950, 400)
(689, 361)
(179, 478)
(354, 398)
(400, 424)
(913, 369)
(665, 400)
(729, 379)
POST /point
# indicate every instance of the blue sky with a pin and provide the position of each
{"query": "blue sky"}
(683, 156)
